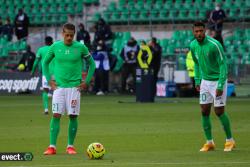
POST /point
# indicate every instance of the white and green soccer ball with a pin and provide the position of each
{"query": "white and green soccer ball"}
(95, 151)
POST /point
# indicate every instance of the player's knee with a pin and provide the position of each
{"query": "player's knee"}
(219, 110)
(57, 115)
(205, 110)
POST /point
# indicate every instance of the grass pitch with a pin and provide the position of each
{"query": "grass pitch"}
(166, 133)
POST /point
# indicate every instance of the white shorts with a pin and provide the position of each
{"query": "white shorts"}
(45, 83)
(208, 93)
(66, 99)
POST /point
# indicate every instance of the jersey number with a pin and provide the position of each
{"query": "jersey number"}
(55, 107)
(203, 97)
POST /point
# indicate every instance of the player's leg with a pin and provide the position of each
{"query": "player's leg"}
(46, 88)
(219, 107)
(73, 125)
(45, 100)
(73, 108)
(206, 100)
(58, 108)
(124, 75)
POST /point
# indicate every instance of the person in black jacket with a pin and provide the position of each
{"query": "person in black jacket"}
(83, 35)
(27, 59)
(21, 25)
(7, 29)
(156, 62)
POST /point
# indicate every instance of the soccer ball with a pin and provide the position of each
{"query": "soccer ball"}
(21, 67)
(95, 151)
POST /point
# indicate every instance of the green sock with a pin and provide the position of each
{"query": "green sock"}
(45, 100)
(73, 124)
(206, 124)
(226, 125)
(54, 130)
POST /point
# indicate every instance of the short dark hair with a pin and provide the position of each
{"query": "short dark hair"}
(48, 40)
(69, 26)
(199, 24)
(154, 40)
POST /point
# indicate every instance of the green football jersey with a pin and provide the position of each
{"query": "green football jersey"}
(40, 55)
(68, 62)
(210, 61)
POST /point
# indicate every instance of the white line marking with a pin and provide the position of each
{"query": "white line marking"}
(140, 164)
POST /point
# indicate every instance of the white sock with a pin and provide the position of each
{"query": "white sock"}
(210, 141)
(52, 146)
(231, 139)
(70, 146)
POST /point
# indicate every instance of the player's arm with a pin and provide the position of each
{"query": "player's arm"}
(197, 75)
(48, 58)
(221, 59)
(37, 60)
(89, 59)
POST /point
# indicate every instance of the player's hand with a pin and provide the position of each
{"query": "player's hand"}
(197, 88)
(219, 93)
(52, 84)
(82, 86)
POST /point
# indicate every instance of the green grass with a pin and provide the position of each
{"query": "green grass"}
(165, 133)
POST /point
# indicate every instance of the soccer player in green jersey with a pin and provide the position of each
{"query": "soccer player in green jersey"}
(40, 55)
(68, 58)
(211, 81)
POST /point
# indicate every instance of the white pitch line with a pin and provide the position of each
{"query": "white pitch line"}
(140, 164)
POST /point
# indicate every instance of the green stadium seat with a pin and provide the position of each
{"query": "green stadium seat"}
(111, 7)
(202, 14)
(131, 6)
(178, 4)
(153, 15)
(188, 5)
(158, 5)
(124, 16)
(122, 2)
(115, 17)
(95, 17)
(61, 8)
(143, 17)
(134, 16)
(168, 5)
(172, 14)
(148, 6)
(79, 8)
(163, 15)
(233, 13)
(63, 19)
(139, 5)
(192, 15)
(70, 9)
(228, 4)
(183, 15)
(247, 4)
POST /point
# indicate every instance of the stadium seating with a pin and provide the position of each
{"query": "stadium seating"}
(41, 12)
(168, 11)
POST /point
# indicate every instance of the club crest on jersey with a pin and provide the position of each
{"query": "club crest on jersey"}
(66, 52)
